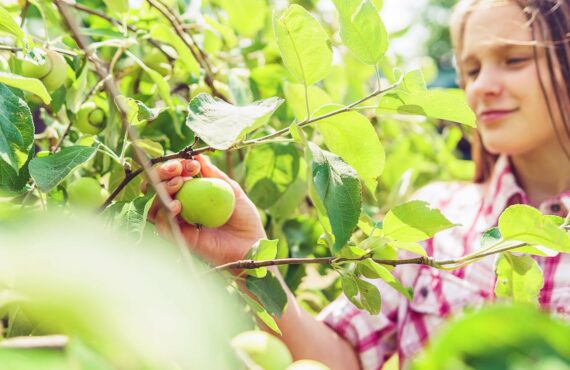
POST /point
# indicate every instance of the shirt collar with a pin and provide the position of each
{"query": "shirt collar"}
(502, 190)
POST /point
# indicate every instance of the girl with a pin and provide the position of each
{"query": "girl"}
(513, 59)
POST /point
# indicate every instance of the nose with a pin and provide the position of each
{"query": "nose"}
(487, 84)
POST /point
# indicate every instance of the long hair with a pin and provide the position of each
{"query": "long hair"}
(549, 22)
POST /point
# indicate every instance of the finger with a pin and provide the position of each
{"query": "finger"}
(175, 208)
(210, 170)
(169, 169)
(173, 185)
(162, 215)
(190, 167)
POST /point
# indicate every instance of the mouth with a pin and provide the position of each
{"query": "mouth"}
(494, 115)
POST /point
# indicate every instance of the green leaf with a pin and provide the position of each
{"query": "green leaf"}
(11, 182)
(165, 34)
(16, 129)
(338, 187)
(447, 104)
(491, 236)
(49, 171)
(261, 313)
(31, 85)
(526, 224)
(247, 17)
(269, 292)
(519, 278)
(262, 250)
(362, 30)
(352, 137)
(408, 246)
(361, 293)
(129, 192)
(304, 45)
(9, 25)
(117, 6)
(414, 221)
(351, 252)
(373, 270)
(270, 170)
(295, 97)
(221, 124)
(130, 216)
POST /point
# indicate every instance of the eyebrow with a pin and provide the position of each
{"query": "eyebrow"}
(499, 47)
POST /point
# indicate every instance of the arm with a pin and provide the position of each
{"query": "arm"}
(305, 336)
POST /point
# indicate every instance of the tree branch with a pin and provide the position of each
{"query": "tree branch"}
(190, 43)
(139, 155)
(116, 23)
(189, 152)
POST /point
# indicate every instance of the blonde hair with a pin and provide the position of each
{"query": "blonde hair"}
(549, 21)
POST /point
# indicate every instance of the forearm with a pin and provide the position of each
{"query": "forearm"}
(308, 338)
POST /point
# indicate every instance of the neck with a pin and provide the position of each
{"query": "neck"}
(542, 173)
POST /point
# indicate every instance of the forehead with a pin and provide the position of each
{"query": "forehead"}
(493, 27)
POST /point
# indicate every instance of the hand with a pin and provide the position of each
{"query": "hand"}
(225, 244)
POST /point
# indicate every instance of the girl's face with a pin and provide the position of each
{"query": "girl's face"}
(501, 81)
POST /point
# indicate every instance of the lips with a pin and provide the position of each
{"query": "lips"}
(494, 115)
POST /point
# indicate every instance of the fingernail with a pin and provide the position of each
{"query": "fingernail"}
(173, 181)
(189, 166)
(170, 167)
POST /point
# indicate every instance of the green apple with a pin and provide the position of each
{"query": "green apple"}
(90, 119)
(86, 192)
(307, 365)
(52, 72)
(206, 201)
(264, 349)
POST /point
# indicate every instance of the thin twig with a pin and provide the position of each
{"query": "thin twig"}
(190, 43)
(185, 153)
(57, 50)
(117, 23)
(139, 155)
(24, 13)
(251, 264)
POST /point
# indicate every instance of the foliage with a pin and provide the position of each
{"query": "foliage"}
(323, 145)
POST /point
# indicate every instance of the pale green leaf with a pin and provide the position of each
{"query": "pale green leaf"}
(409, 246)
(519, 278)
(362, 30)
(352, 137)
(447, 104)
(261, 313)
(49, 171)
(526, 224)
(414, 221)
(373, 270)
(220, 124)
(262, 250)
(247, 17)
(166, 34)
(270, 170)
(31, 85)
(130, 217)
(16, 129)
(9, 25)
(304, 45)
(338, 187)
(295, 97)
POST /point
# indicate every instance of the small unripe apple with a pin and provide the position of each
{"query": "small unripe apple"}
(264, 349)
(90, 119)
(86, 192)
(307, 365)
(52, 72)
(205, 201)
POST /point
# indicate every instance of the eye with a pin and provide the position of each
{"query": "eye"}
(472, 72)
(516, 61)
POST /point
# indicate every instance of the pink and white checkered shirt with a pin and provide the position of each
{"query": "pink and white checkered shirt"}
(403, 326)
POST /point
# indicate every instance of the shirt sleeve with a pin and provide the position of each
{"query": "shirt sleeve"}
(372, 336)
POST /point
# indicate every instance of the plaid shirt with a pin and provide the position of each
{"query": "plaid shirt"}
(403, 327)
